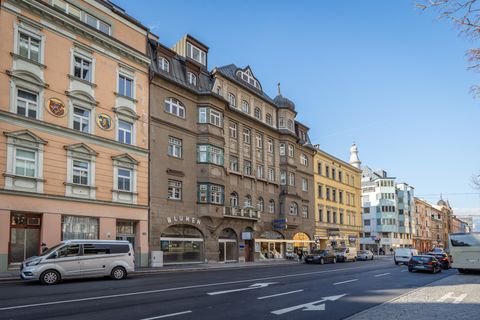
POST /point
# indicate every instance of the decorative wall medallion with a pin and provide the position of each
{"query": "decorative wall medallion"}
(104, 121)
(56, 107)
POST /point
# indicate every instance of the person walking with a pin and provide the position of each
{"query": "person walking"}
(300, 254)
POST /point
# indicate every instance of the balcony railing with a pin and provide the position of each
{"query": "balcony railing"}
(241, 213)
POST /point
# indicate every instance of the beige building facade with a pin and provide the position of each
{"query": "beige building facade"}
(231, 168)
(338, 218)
(74, 119)
(422, 226)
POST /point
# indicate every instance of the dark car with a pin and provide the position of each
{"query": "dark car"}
(321, 256)
(424, 263)
(442, 257)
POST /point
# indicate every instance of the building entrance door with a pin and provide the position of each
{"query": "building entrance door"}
(24, 237)
(227, 249)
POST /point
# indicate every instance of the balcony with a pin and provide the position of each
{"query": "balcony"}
(241, 213)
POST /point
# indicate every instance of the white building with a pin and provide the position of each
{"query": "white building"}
(387, 211)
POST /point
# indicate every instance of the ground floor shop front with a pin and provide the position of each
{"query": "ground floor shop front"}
(28, 224)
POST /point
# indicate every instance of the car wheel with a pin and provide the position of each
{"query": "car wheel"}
(50, 277)
(118, 273)
(396, 262)
(334, 260)
(372, 258)
(410, 270)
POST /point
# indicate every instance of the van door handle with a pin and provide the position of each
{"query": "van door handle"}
(103, 266)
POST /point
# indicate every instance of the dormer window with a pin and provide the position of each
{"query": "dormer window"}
(196, 54)
(163, 64)
(191, 78)
(248, 77)
(290, 125)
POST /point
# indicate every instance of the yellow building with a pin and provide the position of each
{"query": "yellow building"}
(74, 126)
(338, 219)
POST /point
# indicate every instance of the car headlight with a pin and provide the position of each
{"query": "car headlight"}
(33, 262)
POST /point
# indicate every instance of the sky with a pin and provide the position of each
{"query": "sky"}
(382, 74)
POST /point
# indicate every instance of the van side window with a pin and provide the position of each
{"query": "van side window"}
(69, 251)
(92, 249)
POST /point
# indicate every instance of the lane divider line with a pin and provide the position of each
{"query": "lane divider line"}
(381, 274)
(279, 294)
(342, 282)
(168, 315)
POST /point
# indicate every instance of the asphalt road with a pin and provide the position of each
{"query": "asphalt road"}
(274, 292)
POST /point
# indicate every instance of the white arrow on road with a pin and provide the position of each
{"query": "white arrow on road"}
(253, 286)
(311, 306)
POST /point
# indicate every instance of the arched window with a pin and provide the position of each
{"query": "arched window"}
(258, 113)
(191, 78)
(245, 107)
(233, 199)
(268, 119)
(232, 100)
(175, 107)
(293, 209)
(290, 125)
(304, 160)
(271, 206)
(163, 64)
(260, 204)
(247, 202)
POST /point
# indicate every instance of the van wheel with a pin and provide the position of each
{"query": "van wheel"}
(118, 273)
(461, 270)
(50, 277)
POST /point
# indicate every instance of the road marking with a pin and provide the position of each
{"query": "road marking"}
(310, 306)
(382, 274)
(456, 300)
(345, 281)
(178, 288)
(279, 294)
(168, 315)
(253, 286)
(404, 270)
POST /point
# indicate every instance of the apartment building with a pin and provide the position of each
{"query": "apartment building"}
(231, 168)
(422, 226)
(338, 215)
(74, 119)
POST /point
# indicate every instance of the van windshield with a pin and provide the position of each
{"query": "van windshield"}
(339, 249)
(50, 250)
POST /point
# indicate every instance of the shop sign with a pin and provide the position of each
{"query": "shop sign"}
(177, 219)
(279, 224)
(333, 232)
(247, 236)
(56, 107)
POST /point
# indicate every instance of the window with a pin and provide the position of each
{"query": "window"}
(334, 195)
(329, 218)
(319, 168)
(258, 113)
(291, 179)
(209, 154)
(341, 217)
(282, 149)
(281, 123)
(79, 228)
(283, 177)
(260, 204)
(270, 145)
(291, 151)
(125, 86)
(290, 125)
(328, 193)
(247, 76)
(305, 211)
(81, 172)
(82, 68)
(340, 196)
(125, 130)
(304, 184)
(175, 147)
(334, 217)
(340, 176)
(29, 47)
(196, 54)
(97, 23)
(232, 129)
(81, 119)
(247, 167)
(271, 206)
(259, 141)
(268, 119)
(333, 174)
(191, 78)
(25, 163)
(304, 160)
(209, 115)
(320, 215)
(27, 104)
(260, 171)
(219, 90)
(271, 174)
(174, 107)
(246, 136)
(293, 209)
(210, 193)
(245, 107)
(163, 64)
(234, 200)
(174, 190)
(247, 202)
(232, 100)
(124, 179)
(234, 163)
(67, 8)
(320, 191)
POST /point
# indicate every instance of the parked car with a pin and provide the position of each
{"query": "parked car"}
(438, 250)
(442, 258)
(346, 254)
(403, 255)
(321, 256)
(365, 255)
(80, 259)
(424, 263)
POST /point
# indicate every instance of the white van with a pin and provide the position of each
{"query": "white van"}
(346, 254)
(80, 259)
(403, 255)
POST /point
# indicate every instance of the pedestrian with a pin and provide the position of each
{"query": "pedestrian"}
(391, 250)
(300, 255)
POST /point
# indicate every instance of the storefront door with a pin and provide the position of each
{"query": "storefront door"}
(227, 249)
(24, 237)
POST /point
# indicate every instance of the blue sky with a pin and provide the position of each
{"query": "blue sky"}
(382, 74)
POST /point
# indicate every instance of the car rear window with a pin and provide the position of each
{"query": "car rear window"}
(422, 259)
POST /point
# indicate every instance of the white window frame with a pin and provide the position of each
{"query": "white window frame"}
(271, 174)
(81, 118)
(28, 103)
(269, 119)
(175, 189)
(81, 170)
(233, 129)
(175, 107)
(247, 133)
(90, 67)
(271, 206)
(260, 171)
(126, 77)
(304, 160)
(291, 179)
(282, 149)
(125, 132)
(124, 162)
(232, 100)
(270, 146)
(247, 167)
(304, 184)
(31, 37)
(175, 147)
(293, 209)
(192, 78)
(234, 163)
(247, 201)
(259, 141)
(305, 211)
(291, 151)
(233, 200)
(97, 25)
(245, 106)
(258, 113)
(125, 178)
(192, 50)
(25, 160)
(260, 204)
(164, 64)
(283, 177)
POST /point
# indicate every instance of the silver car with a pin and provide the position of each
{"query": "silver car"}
(365, 255)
